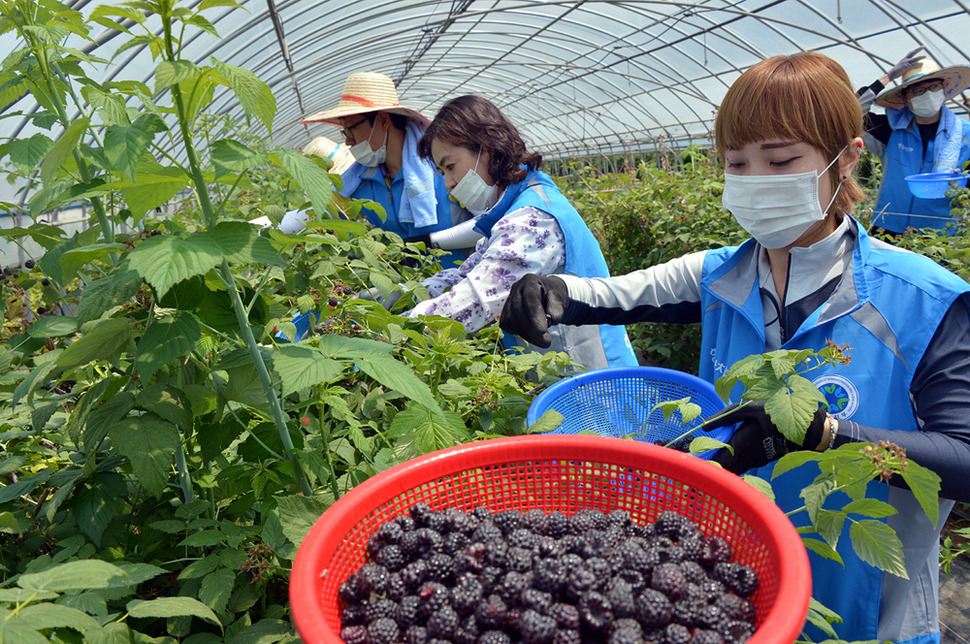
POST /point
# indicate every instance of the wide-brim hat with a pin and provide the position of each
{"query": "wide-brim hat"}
(366, 92)
(955, 80)
(338, 153)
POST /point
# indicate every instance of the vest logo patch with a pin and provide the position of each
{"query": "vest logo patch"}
(841, 395)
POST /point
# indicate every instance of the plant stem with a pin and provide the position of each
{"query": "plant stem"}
(185, 479)
(325, 434)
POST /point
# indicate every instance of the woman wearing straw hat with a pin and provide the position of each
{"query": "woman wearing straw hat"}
(789, 133)
(918, 134)
(382, 136)
(524, 224)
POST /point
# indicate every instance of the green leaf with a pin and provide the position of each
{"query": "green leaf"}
(149, 442)
(925, 485)
(208, 4)
(829, 524)
(169, 403)
(152, 190)
(165, 260)
(168, 337)
(759, 484)
(792, 411)
(254, 95)
(399, 377)
(96, 503)
(312, 178)
(171, 607)
(54, 326)
(37, 377)
(100, 295)
(816, 493)
(63, 148)
(419, 431)
(299, 513)
(203, 539)
(8, 525)
(548, 421)
(872, 508)
(265, 631)
(793, 460)
(822, 549)
(230, 156)
(28, 153)
(73, 260)
(126, 145)
(22, 595)
(102, 342)
(169, 73)
(823, 618)
(703, 444)
(240, 243)
(44, 616)
(88, 602)
(216, 588)
(16, 632)
(877, 544)
(300, 367)
(105, 416)
(11, 491)
(50, 263)
(200, 567)
(203, 24)
(85, 574)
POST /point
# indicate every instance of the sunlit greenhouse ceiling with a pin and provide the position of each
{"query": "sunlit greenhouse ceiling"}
(578, 78)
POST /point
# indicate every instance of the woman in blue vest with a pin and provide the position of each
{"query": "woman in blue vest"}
(789, 132)
(522, 224)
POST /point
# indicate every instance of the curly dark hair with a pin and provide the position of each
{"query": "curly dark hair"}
(475, 123)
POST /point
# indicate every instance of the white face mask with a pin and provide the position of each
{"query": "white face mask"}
(927, 104)
(365, 156)
(776, 209)
(473, 193)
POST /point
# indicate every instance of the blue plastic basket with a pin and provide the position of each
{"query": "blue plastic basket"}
(933, 185)
(302, 323)
(619, 401)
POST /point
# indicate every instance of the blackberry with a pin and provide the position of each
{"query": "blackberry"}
(566, 615)
(536, 520)
(736, 608)
(408, 610)
(396, 588)
(536, 628)
(571, 560)
(511, 587)
(494, 637)
(454, 543)
(443, 622)
(415, 635)
(598, 517)
(349, 590)
(549, 547)
(522, 538)
(391, 557)
(481, 513)
(716, 550)
(471, 559)
(673, 524)
(405, 522)
(670, 554)
(703, 636)
(29, 263)
(580, 523)
(634, 578)
(740, 579)
(638, 558)
(461, 522)
(654, 610)
(626, 636)
(441, 567)
(418, 543)
(537, 600)
(688, 612)
(512, 616)
(372, 578)
(620, 594)
(596, 611)
(496, 552)
(490, 578)
(567, 636)
(713, 589)
(710, 616)
(619, 519)
(579, 581)
(352, 614)
(508, 520)
(379, 608)
(487, 531)
(598, 566)
(414, 574)
(669, 579)
(467, 631)
(735, 631)
(677, 634)
(434, 596)
(693, 572)
(420, 513)
(490, 614)
(466, 595)
(693, 547)
(383, 631)
(519, 559)
(557, 525)
(354, 634)
(627, 622)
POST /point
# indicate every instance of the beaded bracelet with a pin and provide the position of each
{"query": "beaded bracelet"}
(833, 431)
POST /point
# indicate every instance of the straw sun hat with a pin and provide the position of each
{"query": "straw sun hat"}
(955, 80)
(366, 92)
(338, 153)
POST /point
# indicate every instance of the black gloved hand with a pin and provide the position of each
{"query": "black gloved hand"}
(420, 239)
(535, 303)
(374, 295)
(907, 61)
(756, 441)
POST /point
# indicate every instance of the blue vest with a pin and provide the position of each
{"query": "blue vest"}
(904, 156)
(886, 308)
(374, 186)
(583, 258)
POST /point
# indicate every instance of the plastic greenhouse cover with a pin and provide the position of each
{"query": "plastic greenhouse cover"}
(578, 78)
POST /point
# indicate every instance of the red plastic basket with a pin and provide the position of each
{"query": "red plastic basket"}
(559, 473)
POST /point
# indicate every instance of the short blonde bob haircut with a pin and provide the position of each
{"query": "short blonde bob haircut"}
(805, 97)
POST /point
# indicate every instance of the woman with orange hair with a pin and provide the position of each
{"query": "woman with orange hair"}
(789, 133)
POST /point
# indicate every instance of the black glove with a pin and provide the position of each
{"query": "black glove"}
(420, 239)
(374, 295)
(756, 441)
(907, 61)
(535, 303)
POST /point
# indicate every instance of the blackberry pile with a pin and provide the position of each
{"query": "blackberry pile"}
(447, 576)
